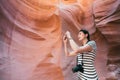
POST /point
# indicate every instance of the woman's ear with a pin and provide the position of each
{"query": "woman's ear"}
(86, 35)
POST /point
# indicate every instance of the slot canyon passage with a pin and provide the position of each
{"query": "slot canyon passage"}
(31, 31)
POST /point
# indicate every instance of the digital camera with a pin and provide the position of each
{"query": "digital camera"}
(77, 68)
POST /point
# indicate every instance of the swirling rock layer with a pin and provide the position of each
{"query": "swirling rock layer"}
(31, 37)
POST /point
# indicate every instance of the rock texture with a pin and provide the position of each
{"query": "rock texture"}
(30, 40)
(31, 37)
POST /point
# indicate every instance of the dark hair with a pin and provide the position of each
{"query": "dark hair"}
(85, 32)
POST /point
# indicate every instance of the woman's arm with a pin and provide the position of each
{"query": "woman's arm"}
(85, 48)
(66, 50)
(65, 39)
(65, 45)
(67, 53)
(73, 45)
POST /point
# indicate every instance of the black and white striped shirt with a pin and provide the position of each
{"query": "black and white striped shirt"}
(88, 63)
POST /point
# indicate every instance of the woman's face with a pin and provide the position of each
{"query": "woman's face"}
(82, 36)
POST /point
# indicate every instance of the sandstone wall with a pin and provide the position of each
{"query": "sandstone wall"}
(31, 33)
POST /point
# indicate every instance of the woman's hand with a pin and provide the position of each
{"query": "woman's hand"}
(68, 35)
(65, 39)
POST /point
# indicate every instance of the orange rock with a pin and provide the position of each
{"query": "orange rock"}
(31, 36)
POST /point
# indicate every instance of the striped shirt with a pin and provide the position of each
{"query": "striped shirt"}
(88, 63)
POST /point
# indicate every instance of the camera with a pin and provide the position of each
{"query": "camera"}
(77, 68)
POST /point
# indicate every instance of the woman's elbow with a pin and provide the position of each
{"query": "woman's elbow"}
(67, 54)
(73, 53)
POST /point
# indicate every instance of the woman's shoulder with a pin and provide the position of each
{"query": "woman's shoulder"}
(92, 43)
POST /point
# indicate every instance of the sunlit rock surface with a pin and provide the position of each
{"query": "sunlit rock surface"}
(31, 37)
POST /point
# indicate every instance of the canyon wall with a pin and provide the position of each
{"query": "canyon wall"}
(31, 31)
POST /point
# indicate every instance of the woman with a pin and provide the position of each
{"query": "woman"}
(88, 50)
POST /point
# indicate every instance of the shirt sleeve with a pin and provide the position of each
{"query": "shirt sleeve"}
(92, 44)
